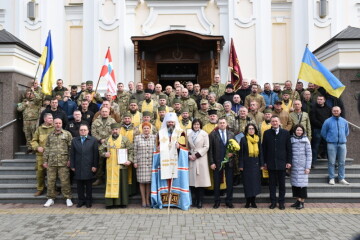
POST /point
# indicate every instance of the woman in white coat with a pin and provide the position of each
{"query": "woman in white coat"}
(198, 142)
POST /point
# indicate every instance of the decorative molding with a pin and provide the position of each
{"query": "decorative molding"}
(2, 16)
(74, 13)
(36, 24)
(281, 6)
(177, 8)
(103, 23)
(338, 47)
(245, 22)
(319, 22)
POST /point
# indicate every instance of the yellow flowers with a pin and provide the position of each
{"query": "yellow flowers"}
(232, 148)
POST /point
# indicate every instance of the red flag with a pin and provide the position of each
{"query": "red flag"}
(107, 72)
(236, 76)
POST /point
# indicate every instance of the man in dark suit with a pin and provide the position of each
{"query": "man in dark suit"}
(84, 158)
(277, 158)
(218, 141)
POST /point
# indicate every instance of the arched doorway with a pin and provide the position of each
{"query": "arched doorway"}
(177, 55)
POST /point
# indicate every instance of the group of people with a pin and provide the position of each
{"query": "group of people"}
(114, 139)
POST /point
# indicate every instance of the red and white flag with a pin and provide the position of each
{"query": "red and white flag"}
(107, 72)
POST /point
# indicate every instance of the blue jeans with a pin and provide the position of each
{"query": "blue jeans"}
(315, 143)
(336, 151)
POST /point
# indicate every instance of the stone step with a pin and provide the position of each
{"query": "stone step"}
(23, 155)
(349, 169)
(323, 178)
(18, 162)
(324, 161)
(238, 198)
(17, 171)
(23, 148)
(17, 179)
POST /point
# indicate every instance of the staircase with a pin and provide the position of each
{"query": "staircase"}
(18, 184)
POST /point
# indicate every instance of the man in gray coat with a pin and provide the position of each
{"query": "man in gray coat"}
(84, 158)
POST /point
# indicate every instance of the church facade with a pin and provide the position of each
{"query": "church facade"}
(167, 40)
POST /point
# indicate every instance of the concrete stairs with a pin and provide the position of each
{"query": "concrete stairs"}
(18, 184)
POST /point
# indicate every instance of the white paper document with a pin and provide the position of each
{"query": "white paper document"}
(122, 156)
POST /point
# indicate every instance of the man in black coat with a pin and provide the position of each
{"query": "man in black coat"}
(218, 141)
(84, 157)
(277, 154)
(74, 125)
(56, 111)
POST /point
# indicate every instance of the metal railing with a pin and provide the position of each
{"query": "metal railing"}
(7, 124)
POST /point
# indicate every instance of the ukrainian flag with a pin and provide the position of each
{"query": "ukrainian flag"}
(46, 59)
(314, 72)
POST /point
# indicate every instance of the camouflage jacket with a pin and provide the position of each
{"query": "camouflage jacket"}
(202, 116)
(96, 97)
(100, 128)
(218, 89)
(244, 122)
(232, 121)
(122, 99)
(31, 110)
(40, 136)
(57, 149)
(191, 104)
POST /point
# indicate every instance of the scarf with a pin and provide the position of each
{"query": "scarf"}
(253, 145)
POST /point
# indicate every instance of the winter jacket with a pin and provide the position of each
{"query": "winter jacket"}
(301, 160)
(335, 130)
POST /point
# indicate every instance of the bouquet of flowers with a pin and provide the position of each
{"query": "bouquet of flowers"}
(232, 147)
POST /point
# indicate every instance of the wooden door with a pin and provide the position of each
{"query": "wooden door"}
(148, 72)
(206, 73)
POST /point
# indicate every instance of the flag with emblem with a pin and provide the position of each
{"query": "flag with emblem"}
(234, 66)
(313, 71)
(107, 72)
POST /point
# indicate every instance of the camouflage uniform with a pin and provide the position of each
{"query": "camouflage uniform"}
(30, 114)
(100, 129)
(116, 107)
(39, 140)
(202, 116)
(258, 117)
(243, 122)
(218, 107)
(122, 99)
(58, 91)
(191, 104)
(218, 89)
(57, 155)
(232, 121)
(96, 97)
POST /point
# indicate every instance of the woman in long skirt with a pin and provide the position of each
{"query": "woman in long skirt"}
(250, 163)
(301, 164)
(144, 145)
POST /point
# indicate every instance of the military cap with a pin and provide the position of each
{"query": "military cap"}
(278, 102)
(212, 111)
(146, 114)
(148, 91)
(286, 92)
(133, 101)
(47, 98)
(162, 108)
(162, 96)
(204, 101)
(267, 110)
(230, 86)
(89, 82)
(184, 109)
(127, 114)
(176, 100)
(115, 125)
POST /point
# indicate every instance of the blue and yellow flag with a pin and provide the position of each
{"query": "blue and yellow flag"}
(47, 60)
(313, 71)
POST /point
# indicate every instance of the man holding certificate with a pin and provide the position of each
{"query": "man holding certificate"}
(118, 151)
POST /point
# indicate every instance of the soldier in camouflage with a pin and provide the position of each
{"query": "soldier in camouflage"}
(202, 114)
(38, 145)
(217, 87)
(89, 89)
(100, 129)
(214, 105)
(57, 163)
(190, 103)
(122, 98)
(30, 108)
(244, 119)
(230, 117)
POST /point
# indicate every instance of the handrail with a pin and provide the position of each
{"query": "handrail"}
(353, 125)
(7, 124)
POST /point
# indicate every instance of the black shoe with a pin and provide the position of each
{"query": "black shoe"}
(281, 206)
(253, 205)
(247, 205)
(272, 206)
(109, 207)
(301, 206)
(88, 205)
(199, 204)
(80, 204)
(122, 206)
(229, 205)
(216, 205)
(296, 204)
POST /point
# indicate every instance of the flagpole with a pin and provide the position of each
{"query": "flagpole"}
(97, 85)
(293, 96)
